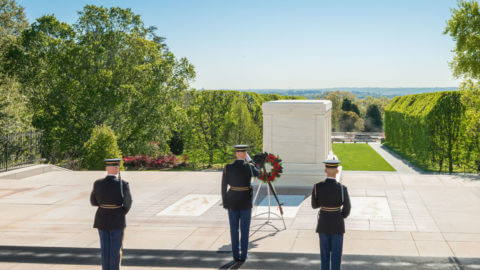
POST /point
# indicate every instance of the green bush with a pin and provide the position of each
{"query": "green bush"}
(176, 143)
(101, 145)
(426, 129)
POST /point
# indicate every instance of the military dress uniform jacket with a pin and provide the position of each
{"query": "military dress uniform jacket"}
(327, 195)
(237, 175)
(107, 196)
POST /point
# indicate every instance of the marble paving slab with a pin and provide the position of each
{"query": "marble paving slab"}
(43, 195)
(370, 208)
(291, 204)
(191, 205)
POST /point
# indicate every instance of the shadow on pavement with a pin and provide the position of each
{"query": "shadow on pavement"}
(222, 260)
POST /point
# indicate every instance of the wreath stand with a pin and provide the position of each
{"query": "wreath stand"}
(269, 212)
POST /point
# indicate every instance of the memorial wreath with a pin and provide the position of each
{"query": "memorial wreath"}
(276, 166)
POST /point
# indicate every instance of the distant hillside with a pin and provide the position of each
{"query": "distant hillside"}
(360, 92)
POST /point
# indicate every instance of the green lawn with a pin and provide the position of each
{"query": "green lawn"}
(360, 157)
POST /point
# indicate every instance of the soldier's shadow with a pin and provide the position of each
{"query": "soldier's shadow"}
(255, 229)
(251, 244)
(231, 265)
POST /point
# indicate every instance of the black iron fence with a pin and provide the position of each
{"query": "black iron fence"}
(19, 149)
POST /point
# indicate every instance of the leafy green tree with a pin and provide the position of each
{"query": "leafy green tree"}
(471, 125)
(464, 27)
(380, 102)
(3, 105)
(337, 97)
(101, 145)
(211, 119)
(350, 121)
(348, 106)
(14, 114)
(107, 68)
(12, 23)
(373, 118)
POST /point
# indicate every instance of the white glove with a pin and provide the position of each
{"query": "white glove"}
(248, 158)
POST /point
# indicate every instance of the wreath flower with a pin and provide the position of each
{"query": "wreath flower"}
(274, 161)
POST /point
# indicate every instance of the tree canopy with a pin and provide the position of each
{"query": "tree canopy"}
(14, 114)
(373, 118)
(107, 68)
(464, 27)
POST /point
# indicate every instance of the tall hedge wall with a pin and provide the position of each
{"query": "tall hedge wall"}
(426, 129)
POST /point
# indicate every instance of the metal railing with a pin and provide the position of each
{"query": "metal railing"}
(20, 149)
(357, 136)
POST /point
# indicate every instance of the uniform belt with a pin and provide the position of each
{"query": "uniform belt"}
(330, 209)
(110, 206)
(240, 188)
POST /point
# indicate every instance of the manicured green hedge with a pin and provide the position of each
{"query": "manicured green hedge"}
(425, 128)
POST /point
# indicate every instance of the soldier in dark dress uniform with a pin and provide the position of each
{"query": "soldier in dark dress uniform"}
(113, 198)
(238, 198)
(334, 202)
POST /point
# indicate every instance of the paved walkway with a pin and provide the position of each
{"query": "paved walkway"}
(398, 163)
(409, 216)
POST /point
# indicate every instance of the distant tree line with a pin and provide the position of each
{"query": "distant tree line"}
(359, 92)
(352, 114)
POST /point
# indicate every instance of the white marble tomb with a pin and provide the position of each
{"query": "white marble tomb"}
(299, 131)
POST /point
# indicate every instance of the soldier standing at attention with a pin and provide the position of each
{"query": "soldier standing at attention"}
(113, 198)
(330, 196)
(238, 199)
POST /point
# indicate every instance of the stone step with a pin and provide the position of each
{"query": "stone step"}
(30, 171)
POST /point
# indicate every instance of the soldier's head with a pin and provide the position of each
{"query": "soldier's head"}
(331, 172)
(112, 166)
(331, 167)
(241, 151)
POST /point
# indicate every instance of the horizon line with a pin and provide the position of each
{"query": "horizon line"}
(329, 88)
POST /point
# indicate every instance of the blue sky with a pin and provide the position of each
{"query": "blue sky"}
(258, 44)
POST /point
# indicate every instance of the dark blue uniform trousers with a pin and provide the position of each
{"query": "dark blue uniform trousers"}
(111, 244)
(239, 218)
(331, 251)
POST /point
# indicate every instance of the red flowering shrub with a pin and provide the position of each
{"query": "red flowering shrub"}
(150, 163)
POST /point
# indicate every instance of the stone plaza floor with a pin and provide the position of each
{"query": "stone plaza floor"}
(404, 221)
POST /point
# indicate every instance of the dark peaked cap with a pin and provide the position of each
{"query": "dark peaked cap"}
(113, 162)
(241, 147)
(331, 163)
